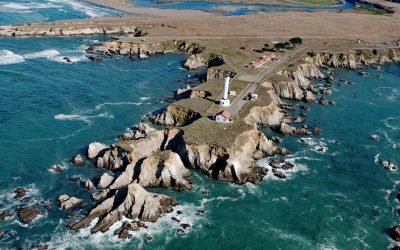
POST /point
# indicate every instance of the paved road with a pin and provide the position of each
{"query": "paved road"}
(239, 102)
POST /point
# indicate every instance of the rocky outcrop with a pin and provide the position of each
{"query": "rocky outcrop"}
(133, 202)
(235, 163)
(65, 29)
(66, 202)
(310, 97)
(301, 74)
(196, 61)
(138, 131)
(28, 214)
(290, 130)
(270, 114)
(176, 116)
(77, 160)
(285, 88)
(215, 73)
(94, 149)
(354, 59)
(143, 48)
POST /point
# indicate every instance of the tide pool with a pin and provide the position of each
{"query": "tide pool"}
(234, 9)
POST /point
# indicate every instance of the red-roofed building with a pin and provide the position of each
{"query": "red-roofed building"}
(263, 60)
(223, 116)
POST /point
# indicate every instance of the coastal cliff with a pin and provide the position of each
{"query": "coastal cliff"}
(354, 59)
(176, 116)
(143, 49)
(66, 29)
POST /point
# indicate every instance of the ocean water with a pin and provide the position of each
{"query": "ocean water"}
(337, 197)
(341, 198)
(235, 9)
(28, 11)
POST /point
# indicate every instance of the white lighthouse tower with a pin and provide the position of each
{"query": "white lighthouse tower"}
(225, 101)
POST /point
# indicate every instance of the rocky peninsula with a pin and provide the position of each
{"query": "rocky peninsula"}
(185, 137)
(162, 150)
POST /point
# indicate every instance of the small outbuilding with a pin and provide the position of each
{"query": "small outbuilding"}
(223, 116)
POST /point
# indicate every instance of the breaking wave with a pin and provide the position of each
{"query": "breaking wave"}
(8, 57)
(84, 118)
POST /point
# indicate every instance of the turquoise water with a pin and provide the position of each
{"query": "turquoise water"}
(339, 199)
(27, 11)
(236, 8)
(50, 110)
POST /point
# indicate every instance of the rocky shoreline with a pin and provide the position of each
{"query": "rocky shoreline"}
(149, 157)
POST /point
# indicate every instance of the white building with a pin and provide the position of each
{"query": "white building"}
(223, 116)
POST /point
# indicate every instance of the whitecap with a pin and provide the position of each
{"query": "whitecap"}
(68, 59)
(78, 117)
(89, 11)
(298, 167)
(164, 225)
(8, 57)
(50, 53)
(376, 158)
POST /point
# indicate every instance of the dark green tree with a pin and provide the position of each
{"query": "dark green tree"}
(296, 41)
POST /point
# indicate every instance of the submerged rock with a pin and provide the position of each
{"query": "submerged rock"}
(4, 215)
(19, 193)
(395, 233)
(374, 137)
(56, 169)
(278, 174)
(28, 214)
(323, 100)
(78, 160)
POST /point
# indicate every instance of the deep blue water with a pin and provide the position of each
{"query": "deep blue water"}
(28, 11)
(236, 8)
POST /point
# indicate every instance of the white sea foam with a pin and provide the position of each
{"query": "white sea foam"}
(289, 173)
(389, 123)
(50, 53)
(389, 93)
(8, 57)
(25, 7)
(85, 8)
(318, 146)
(100, 106)
(68, 59)
(376, 158)
(78, 117)
(164, 225)
(144, 98)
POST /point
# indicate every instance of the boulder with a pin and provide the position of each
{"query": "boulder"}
(309, 97)
(94, 149)
(374, 137)
(78, 160)
(395, 233)
(88, 184)
(66, 202)
(323, 100)
(105, 181)
(28, 214)
(56, 169)
(278, 174)
(4, 215)
(19, 193)
(287, 166)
